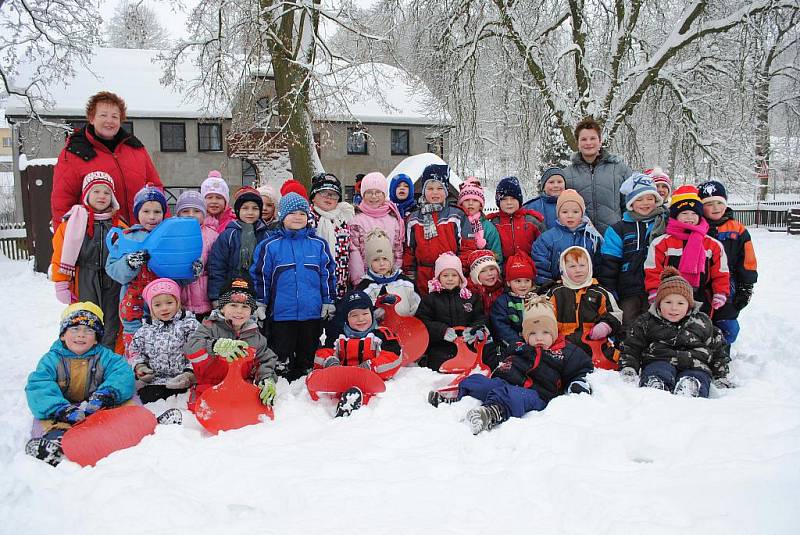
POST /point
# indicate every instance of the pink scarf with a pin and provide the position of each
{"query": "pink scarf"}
(382, 211)
(78, 220)
(477, 229)
(693, 259)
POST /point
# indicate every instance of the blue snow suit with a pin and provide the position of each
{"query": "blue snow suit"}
(223, 259)
(546, 251)
(506, 319)
(545, 205)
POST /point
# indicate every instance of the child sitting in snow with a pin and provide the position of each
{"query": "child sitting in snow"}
(382, 282)
(532, 374)
(449, 304)
(156, 351)
(362, 343)
(194, 296)
(674, 346)
(225, 336)
(77, 369)
(506, 312)
(551, 185)
(517, 227)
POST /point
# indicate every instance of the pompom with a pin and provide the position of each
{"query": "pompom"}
(668, 272)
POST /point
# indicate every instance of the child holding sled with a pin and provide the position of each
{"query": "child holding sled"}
(194, 296)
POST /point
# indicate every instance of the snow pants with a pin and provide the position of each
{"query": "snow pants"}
(515, 400)
(295, 343)
(669, 374)
(150, 393)
(729, 328)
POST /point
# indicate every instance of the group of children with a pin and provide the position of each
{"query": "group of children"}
(533, 286)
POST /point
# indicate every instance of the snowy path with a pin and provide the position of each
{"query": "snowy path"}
(625, 460)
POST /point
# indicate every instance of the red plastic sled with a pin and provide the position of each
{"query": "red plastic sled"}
(107, 431)
(465, 359)
(411, 332)
(337, 379)
(233, 403)
(599, 359)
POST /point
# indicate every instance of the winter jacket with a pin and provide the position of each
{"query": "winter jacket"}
(622, 257)
(360, 226)
(546, 251)
(518, 231)
(293, 273)
(548, 371)
(692, 343)
(210, 368)
(380, 347)
(130, 166)
(396, 284)
(159, 345)
(220, 223)
(488, 294)
(194, 296)
(454, 235)
(338, 237)
(545, 205)
(492, 238)
(742, 265)
(223, 260)
(62, 378)
(446, 308)
(506, 319)
(598, 183)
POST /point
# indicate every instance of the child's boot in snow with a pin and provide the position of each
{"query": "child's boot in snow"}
(170, 417)
(654, 381)
(485, 417)
(45, 449)
(687, 386)
(435, 397)
(349, 401)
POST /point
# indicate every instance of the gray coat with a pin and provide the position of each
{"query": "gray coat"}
(159, 345)
(599, 185)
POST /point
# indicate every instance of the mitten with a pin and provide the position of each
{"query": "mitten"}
(741, 298)
(197, 268)
(70, 414)
(450, 334)
(144, 373)
(63, 294)
(579, 387)
(366, 364)
(331, 361)
(723, 382)
(267, 391)
(328, 311)
(684, 359)
(718, 300)
(99, 400)
(137, 259)
(230, 349)
(388, 299)
(629, 375)
(261, 312)
(600, 331)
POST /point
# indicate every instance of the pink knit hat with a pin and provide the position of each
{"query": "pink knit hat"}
(215, 184)
(471, 189)
(376, 181)
(448, 260)
(159, 287)
(98, 178)
(268, 191)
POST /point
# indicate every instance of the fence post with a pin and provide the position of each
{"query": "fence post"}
(793, 221)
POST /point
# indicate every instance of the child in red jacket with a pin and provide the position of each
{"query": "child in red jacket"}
(518, 227)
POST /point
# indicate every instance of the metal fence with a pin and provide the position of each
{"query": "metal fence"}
(13, 241)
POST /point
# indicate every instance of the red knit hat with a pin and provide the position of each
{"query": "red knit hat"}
(293, 186)
(519, 266)
(480, 260)
(98, 178)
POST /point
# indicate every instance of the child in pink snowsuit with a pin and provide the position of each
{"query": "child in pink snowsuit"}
(194, 296)
(216, 196)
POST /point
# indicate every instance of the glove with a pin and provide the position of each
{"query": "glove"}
(723, 382)
(328, 311)
(579, 387)
(718, 300)
(379, 314)
(450, 334)
(651, 297)
(388, 299)
(197, 268)
(741, 298)
(267, 391)
(374, 343)
(229, 349)
(63, 294)
(137, 259)
(629, 375)
(475, 334)
(330, 362)
(70, 415)
(261, 312)
(367, 364)
(600, 331)
(99, 400)
(144, 373)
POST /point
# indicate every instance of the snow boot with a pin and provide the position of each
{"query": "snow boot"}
(45, 449)
(485, 417)
(687, 386)
(181, 381)
(349, 401)
(654, 381)
(435, 397)
(171, 417)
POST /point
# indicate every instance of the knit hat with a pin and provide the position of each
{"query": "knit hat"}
(98, 178)
(438, 172)
(83, 313)
(659, 176)
(245, 194)
(550, 172)
(148, 193)
(685, 198)
(570, 195)
(471, 189)
(508, 187)
(215, 184)
(376, 181)
(538, 312)
(190, 199)
(159, 287)
(238, 290)
(292, 202)
(673, 283)
(638, 185)
(354, 300)
(480, 260)
(562, 264)
(713, 191)
(519, 266)
(293, 186)
(448, 260)
(325, 182)
(400, 178)
(377, 245)
(268, 191)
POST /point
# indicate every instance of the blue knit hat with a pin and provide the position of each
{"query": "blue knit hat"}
(508, 187)
(292, 202)
(440, 172)
(354, 300)
(148, 193)
(190, 199)
(713, 191)
(549, 172)
(638, 185)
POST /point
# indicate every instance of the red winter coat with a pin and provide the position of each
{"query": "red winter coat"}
(488, 294)
(518, 231)
(130, 166)
(386, 361)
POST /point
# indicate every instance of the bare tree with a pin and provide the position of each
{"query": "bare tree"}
(135, 25)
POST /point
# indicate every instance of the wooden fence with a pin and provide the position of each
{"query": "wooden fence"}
(13, 241)
(772, 215)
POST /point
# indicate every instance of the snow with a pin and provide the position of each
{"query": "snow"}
(24, 162)
(413, 166)
(624, 460)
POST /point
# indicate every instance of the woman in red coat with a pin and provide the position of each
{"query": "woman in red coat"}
(102, 145)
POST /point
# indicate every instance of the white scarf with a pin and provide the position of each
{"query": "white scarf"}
(326, 226)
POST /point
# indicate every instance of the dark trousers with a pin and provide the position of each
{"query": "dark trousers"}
(632, 307)
(150, 393)
(515, 400)
(669, 374)
(295, 343)
(729, 328)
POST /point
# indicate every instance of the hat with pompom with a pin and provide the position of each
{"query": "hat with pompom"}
(685, 198)
(471, 189)
(98, 178)
(147, 194)
(673, 283)
(215, 184)
(478, 261)
(538, 313)
(293, 186)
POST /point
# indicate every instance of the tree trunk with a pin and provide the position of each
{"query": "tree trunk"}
(762, 140)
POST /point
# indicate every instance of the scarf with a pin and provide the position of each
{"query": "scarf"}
(380, 279)
(406, 207)
(382, 211)
(693, 259)
(248, 245)
(328, 221)
(659, 217)
(428, 224)
(476, 220)
(80, 223)
(352, 333)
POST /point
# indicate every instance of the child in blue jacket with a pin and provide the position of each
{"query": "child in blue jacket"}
(77, 369)
(294, 275)
(551, 185)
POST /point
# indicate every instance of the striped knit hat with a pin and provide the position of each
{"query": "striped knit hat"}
(685, 198)
(98, 178)
(85, 313)
(471, 189)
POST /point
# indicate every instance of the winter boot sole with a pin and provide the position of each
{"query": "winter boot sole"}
(349, 401)
(171, 417)
(46, 450)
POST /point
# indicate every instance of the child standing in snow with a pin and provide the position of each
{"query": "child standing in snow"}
(674, 345)
(449, 304)
(401, 193)
(471, 200)
(225, 336)
(156, 351)
(506, 312)
(383, 282)
(332, 218)
(80, 252)
(194, 296)
(742, 267)
(216, 195)
(551, 185)
(77, 369)
(518, 227)
(572, 228)
(531, 374)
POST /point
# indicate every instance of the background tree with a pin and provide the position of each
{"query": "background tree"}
(135, 25)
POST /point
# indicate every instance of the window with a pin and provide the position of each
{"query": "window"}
(6, 142)
(173, 137)
(436, 145)
(128, 126)
(400, 142)
(356, 141)
(209, 137)
(249, 173)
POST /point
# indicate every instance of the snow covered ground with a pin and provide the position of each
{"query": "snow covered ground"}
(624, 460)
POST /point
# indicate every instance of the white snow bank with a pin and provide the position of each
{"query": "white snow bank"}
(24, 162)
